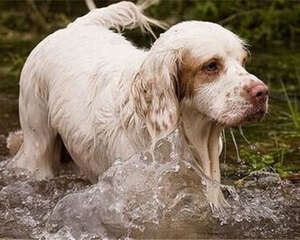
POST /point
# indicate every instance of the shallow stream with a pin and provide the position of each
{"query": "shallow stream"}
(154, 194)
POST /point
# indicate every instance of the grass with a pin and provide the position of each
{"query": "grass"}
(294, 113)
(273, 159)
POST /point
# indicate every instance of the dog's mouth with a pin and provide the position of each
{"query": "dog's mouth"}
(255, 115)
(250, 114)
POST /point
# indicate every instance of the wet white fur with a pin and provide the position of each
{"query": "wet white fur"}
(83, 83)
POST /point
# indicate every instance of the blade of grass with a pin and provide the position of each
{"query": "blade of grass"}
(294, 114)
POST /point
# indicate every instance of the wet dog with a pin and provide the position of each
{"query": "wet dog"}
(89, 89)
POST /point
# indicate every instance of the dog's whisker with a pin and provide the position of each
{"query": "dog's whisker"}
(243, 135)
(235, 146)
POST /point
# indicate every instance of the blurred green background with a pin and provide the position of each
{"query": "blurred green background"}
(270, 27)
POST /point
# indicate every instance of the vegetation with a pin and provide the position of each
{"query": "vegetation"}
(260, 22)
(294, 112)
(272, 30)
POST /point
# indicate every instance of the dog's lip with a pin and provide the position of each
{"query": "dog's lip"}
(257, 116)
(250, 115)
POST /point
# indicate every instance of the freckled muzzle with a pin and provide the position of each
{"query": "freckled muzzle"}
(253, 107)
(257, 95)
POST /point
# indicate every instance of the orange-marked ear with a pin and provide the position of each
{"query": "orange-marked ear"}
(156, 91)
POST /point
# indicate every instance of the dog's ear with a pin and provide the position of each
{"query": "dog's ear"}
(156, 91)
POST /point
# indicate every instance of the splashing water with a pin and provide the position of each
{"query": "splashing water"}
(153, 194)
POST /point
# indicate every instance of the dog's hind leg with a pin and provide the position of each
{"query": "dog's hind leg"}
(40, 151)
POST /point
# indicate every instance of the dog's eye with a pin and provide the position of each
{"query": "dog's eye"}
(212, 67)
(244, 62)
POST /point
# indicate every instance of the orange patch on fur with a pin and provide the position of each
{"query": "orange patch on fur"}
(192, 74)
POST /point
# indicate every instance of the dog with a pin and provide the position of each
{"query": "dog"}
(89, 89)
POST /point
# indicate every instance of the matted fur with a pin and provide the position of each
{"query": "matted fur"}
(89, 88)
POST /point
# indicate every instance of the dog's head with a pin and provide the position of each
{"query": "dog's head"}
(201, 63)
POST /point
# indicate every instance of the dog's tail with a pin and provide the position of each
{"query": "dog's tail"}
(14, 142)
(122, 15)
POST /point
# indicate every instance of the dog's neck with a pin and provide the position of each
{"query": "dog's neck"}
(204, 136)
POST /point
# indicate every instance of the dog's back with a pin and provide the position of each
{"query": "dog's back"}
(63, 80)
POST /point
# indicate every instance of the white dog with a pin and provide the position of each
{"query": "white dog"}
(90, 89)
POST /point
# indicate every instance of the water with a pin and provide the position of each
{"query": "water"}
(26, 203)
(154, 194)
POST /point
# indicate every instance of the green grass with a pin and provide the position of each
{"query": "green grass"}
(294, 113)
